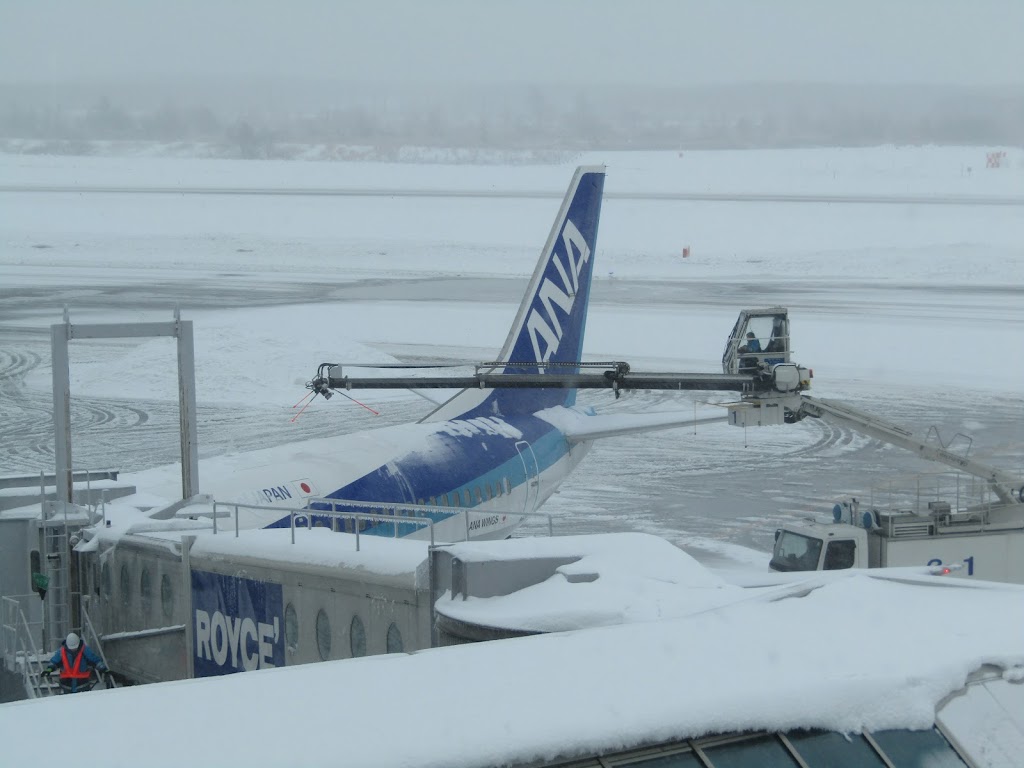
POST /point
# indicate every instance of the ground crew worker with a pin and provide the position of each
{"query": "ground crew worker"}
(753, 343)
(75, 660)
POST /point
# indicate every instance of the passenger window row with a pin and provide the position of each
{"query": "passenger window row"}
(464, 497)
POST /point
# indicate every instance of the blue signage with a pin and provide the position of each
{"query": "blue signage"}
(237, 624)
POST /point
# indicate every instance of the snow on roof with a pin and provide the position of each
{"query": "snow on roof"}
(315, 548)
(122, 518)
(613, 578)
(855, 651)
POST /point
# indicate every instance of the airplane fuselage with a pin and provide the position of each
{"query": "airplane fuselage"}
(504, 466)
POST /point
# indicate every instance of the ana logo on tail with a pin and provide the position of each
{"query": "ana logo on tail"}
(577, 253)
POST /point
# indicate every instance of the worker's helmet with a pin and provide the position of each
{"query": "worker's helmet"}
(750, 334)
(73, 641)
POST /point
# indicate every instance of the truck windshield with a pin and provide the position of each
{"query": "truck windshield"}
(795, 552)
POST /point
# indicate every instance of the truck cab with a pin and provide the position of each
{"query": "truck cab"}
(814, 546)
(759, 338)
(984, 541)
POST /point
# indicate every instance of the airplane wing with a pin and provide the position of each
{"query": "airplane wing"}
(435, 396)
(586, 428)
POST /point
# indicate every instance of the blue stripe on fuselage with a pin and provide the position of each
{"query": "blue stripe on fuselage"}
(453, 459)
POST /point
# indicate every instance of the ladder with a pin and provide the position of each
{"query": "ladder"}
(57, 569)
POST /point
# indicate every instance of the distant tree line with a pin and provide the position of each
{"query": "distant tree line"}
(535, 118)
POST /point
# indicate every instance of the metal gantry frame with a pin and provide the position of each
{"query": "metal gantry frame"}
(61, 335)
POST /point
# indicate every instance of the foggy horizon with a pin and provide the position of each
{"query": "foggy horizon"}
(657, 43)
(250, 77)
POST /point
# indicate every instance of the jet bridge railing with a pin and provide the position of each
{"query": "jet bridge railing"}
(413, 510)
(296, 514)
(357, 518)
(403, 514)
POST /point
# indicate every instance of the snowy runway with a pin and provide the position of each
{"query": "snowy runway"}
(909, 311)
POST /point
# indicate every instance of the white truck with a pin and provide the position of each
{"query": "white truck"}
(971, 521)
(984, 542)
(974, 525)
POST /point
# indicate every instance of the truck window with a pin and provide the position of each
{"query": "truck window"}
(795, 552)
(839, 555)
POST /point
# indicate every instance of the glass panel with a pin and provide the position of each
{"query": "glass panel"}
(166, 595)
(323, 635)
(357, 637)
(839, 555)
(917, 749)
(751, 753)
(145, 592)
(794, 552)
(291, 628)
(826, 749)
(682, 760)
(394, 639)
(466, 498)
(779, 342)
(126, 585)
(106, 578)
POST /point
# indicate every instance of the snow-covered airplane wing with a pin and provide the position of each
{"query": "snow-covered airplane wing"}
(580, 428)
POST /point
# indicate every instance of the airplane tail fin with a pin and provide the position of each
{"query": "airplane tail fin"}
(547, 334)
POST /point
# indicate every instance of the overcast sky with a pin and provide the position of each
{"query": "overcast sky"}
(667, 42)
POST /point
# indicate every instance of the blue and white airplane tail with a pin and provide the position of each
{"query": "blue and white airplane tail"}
(480, 463)
(547, 334)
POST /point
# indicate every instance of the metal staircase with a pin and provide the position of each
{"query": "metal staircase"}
(22, 658)
(20, 654)
(28, 646)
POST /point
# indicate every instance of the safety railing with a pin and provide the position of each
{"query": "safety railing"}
(20, 654)
(398, 515)
(921, 493)
(297, 516)
(47, 487)
(93, 639)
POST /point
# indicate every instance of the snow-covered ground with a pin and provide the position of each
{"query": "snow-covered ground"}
(689, 656)
(913, 311)
(910, 310)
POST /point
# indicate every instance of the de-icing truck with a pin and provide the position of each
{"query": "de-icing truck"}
(970, 521)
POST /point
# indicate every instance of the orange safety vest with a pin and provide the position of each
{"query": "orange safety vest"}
(73, 671)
